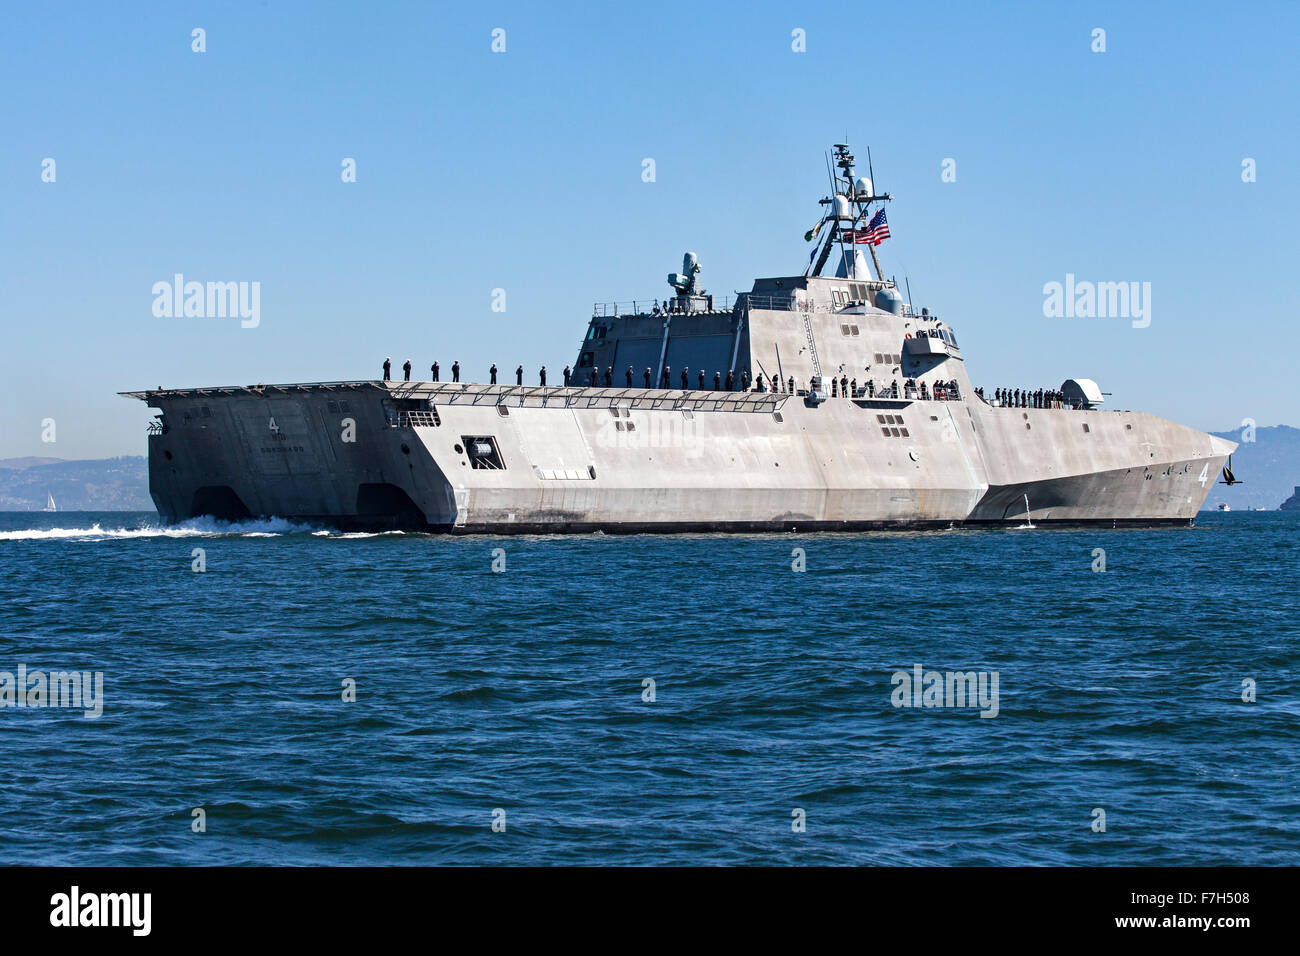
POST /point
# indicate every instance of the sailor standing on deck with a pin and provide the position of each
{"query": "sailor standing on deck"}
(388, 367)
(647, 377)
(542, 375)
(519, 375)
(609, 376)
(406, 371)
(455, 371)
(629, 376)
(568, 375)
(434, 369)
(493, 372)
(686, 378)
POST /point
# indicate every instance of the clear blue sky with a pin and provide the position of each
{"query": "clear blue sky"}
(522, 171)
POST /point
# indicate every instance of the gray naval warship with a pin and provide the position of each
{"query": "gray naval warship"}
(811, 402)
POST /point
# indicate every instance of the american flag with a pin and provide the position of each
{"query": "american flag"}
(877, 231)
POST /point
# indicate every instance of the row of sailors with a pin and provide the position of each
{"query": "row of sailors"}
(843, 386)
(1025, 398)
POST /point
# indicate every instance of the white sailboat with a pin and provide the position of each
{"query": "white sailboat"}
(49, 503)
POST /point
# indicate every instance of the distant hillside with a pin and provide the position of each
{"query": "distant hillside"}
(1268, 468)
(27, 462)
(106, 484)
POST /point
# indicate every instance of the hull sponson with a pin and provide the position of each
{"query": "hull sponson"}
(363, 455)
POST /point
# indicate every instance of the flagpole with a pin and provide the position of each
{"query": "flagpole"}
(871, 247)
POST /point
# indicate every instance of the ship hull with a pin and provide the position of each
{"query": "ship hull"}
(381, 456)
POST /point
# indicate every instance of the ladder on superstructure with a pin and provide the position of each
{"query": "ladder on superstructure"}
(812, 342)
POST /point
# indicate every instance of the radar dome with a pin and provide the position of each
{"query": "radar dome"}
(888, 300)
(863, 186)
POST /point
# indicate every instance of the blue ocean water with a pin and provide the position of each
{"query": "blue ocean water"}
(522, 691)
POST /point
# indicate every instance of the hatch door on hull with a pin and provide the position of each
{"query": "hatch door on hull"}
(552, 442)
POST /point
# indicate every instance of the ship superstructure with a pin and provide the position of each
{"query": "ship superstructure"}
(810, 402)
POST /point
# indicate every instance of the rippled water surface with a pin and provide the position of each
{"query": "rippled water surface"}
(522, 691)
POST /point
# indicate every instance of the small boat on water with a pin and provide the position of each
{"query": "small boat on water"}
(49, 503)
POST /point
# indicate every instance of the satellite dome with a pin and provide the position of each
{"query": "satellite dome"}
(888, 300)
(862, 186)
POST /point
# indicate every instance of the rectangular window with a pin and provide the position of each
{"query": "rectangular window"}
(482, 452)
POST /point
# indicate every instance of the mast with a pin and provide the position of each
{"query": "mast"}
(859, 205)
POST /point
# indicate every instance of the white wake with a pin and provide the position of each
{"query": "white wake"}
(194, 528)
